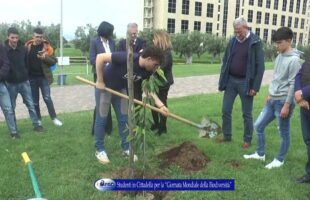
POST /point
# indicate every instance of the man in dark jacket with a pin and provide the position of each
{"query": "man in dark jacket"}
(241, 74)
(18, 81)
(41, 58)
(302, 96)
(5, 101)
(138, 43)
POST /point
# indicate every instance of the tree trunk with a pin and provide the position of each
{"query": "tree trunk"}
(131, 110)
(189, 58)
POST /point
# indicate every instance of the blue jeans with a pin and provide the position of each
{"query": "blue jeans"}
(41, 83)
(120, 105)
(25, 91)
(236, 86)
(5, 104)
(270, 112)
(305, 128)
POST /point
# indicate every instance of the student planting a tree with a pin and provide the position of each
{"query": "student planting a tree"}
(114, 76)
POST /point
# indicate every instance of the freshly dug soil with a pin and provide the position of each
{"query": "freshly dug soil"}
(186, 156)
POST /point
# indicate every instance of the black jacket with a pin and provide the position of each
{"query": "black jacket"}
(18, 63)
(4, 64)
(139, 44)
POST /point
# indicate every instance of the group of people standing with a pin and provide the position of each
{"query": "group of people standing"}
(25, 70)
(241, 75)
(109, 63)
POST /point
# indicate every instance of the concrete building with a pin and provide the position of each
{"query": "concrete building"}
(216, 16)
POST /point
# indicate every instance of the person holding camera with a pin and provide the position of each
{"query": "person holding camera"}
(40, 58)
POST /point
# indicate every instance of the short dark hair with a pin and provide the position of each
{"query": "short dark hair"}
(153, 52)
(38, 30)
(283, 33)
(105, 29)
(12, 30)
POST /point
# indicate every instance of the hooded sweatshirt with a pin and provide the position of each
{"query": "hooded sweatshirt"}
(286, 67)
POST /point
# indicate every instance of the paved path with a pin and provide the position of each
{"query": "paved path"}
(81, 97)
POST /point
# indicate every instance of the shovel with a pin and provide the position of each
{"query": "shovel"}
(208, 128)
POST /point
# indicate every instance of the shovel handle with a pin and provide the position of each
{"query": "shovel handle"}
(174, 116)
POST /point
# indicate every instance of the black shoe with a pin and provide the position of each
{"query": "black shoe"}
(15, 136)
(303, 179)
(39, 129)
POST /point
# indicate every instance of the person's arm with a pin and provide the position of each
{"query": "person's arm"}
(92, 53)
(101, 59)
(259, 68)
(160, 104)
(4, 64)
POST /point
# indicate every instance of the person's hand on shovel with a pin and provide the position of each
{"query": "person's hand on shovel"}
(164, 110)
(100, 85)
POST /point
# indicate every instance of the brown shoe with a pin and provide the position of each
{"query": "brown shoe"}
(246, 145)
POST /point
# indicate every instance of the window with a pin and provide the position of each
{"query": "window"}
(225, 16)
(171, 25)
(184, 26)
(197, 26)
(274, 19)
(284, 5)
(250, 16)
(185, 7)
(291, 8)
(272, 33)
(275, 4)
(297, 6)
(282, 20)
(268, 3)
(258, 17)
(251, 2)
(302, 23)
(304, 7)
(260, 3)
(210, 8)
(257, 31)
(289, 22)
(267, 15)
(301, 37)
(296, 22)
(171, 6)
(237, 9)
(198, 8)
(265, 36)
(294, 37)
(208, 27)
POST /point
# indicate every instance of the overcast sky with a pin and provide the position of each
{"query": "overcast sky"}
(75, 13)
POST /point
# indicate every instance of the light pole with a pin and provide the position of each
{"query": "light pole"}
(61, 43)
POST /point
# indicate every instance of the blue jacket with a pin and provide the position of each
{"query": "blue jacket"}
(302, 81)
(255, 64)
(96, 47)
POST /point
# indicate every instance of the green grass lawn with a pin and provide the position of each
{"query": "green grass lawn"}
(66, 168)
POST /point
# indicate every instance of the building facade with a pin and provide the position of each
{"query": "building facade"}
(217, 16)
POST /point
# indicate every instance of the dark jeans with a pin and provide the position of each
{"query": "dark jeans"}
(159, 119)
(109, 125)
(305, 128)
(37, 84)
(236, 86)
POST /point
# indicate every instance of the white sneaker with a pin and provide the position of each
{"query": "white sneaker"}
(275, 163)
(57, 122)
(127, 153)
(102, 157)
(39, 122)
(255, 156)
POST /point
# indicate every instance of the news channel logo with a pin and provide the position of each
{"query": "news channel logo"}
(105, 184)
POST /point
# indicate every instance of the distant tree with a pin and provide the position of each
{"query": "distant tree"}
(187, 44)
(25, 28)
(270, 51)
(83, 35)
(215, 46)
(147, 36)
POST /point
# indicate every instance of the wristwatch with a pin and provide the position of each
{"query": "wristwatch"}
(301, 94)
